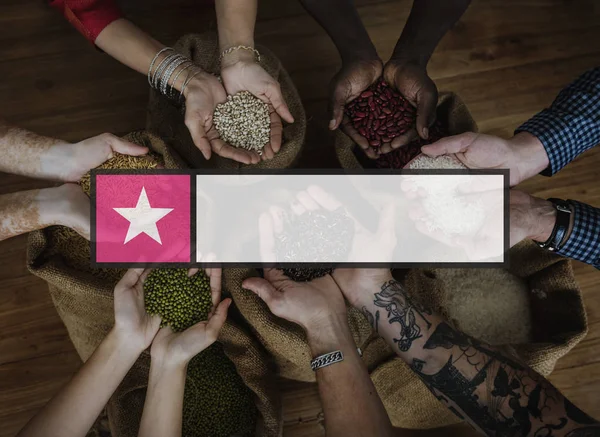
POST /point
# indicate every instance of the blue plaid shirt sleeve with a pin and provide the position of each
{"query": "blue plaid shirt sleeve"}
(584, 242)
(572, 124)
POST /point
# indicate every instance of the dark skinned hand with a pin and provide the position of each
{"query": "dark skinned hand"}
(346, 85)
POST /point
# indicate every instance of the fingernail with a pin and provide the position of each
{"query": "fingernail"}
(425, 133)
(332, 125)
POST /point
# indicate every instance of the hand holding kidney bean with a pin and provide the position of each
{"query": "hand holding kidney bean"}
(413, 83)
(347, 85)
(381, 114)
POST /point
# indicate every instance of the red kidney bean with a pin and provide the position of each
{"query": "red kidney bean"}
(380, 114)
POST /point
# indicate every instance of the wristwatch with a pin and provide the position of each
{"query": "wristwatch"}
(561, 227)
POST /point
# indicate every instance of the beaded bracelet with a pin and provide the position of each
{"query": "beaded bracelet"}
(232, 49)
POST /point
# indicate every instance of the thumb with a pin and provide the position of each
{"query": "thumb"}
(217, 320)
(426, 113)
(449, 145)
(276, 99)
(126, 148)
(199, 136)
(336, 105)
(263, 289)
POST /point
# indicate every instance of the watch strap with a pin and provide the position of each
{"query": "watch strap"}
(561, 227)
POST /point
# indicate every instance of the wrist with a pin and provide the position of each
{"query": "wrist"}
(543, 219)
(332, 333)
(239, 55)
(161, 364)
(408, 55)
(51, 206)
(529, 155)
(360, 292)
(124, 344)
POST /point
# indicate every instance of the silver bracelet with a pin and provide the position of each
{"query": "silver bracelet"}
(326, 360)
(154, 61)
(183, 68)
(188, 80)
(169, 72)
(164, 64)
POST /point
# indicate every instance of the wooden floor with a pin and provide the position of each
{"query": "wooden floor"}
(506, 59)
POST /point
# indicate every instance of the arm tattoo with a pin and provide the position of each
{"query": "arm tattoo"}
(496, 393)
(402, 310)
(373, 319)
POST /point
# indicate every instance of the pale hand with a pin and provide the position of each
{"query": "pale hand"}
(523, 155)
(132, 321)
(177, 349)
(202, 96)
(85, 155)
(347, 85)
(247, 75)
(309, 304)
(413, 83)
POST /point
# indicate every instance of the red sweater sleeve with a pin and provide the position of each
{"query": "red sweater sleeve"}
(89, 17)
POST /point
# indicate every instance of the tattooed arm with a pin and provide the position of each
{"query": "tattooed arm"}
(495, 393)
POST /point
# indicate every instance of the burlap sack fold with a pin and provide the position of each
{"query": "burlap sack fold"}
(84, 301)
(285, 341)
(451, 112)
(166, 118)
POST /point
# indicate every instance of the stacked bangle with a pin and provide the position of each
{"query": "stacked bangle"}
(164, 74)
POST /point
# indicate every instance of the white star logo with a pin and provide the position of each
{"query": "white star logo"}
(142, 219)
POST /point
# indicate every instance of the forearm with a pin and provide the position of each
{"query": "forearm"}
(480, 383)
(163, 409)
(572, 123)
(29, 154)
(428, 22)
(74, 409)
(350, 402)
(236, 20)
(129, 45)
(27, 211)
(342, 23)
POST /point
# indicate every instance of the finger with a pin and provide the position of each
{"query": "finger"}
(354, 134)
(297, 207)
(276, 131)
(131, 277)
(144, 275)
(400, 141)
(267, 152)
(273, 93)
(266, 238)
(215, 276)
(324, 199)
(224, 150)
(436, 234)
(387, 226)
(192, 272)
(336, 105)
(125, 147)
(217, 320)
(199, 136)
(277, 217)
(307, 201)
(263, 289)
(449, 145)
(426, 107)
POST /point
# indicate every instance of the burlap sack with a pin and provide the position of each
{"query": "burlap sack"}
(166, 119)
(451, 112)
(84, 301)
(284, 340)
(557, 317)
